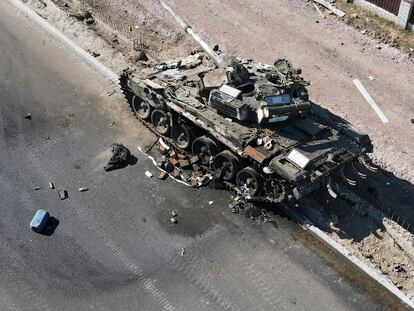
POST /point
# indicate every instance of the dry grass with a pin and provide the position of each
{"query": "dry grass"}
(379, 28)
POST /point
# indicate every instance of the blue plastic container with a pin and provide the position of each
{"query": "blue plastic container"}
(39, 220)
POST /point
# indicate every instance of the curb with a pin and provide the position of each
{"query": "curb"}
(68, 42)
(307, 224)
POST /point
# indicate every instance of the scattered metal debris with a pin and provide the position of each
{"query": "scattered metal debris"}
(319, 10)
(83, 189)
(28, 116)
(37, 188)
(148, 174)
(174, 213)
(63, 194)
(119, 159)
(163, 175)
(173, 220)
(183, 250)
(51, 185)
(331, 7)
(334, 220)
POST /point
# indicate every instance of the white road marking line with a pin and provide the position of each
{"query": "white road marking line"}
(370, 101)
(68, 42)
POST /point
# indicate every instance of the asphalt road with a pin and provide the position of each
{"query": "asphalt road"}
(114, 247)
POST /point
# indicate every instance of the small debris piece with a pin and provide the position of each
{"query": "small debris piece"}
(28, 116)
(63, 194)
(194, 182)
(162, 143)
(182, 251)
(141, 56)
(83, 189)
(169, 167)
(196, 167)
(51, 185)
(184, 163)
(173, 220)
(194, 159)
(196, 174)
(161, 163)
(37, 188)
(331, 7)
(119, 159)
(319, 10)
(181, 156)
(172, 153)
(174, 161)
(334, 220)
(379, 47)
(95, 54)
(88, 19)
(174, 213)
(185, 176)
(371, 78)
(176, 173)
(148, 174)
(211, 202)
(163, 176)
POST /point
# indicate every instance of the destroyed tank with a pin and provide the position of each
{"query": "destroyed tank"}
(252, 125)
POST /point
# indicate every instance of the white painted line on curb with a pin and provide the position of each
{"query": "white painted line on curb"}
(68, 42)
(370, 101)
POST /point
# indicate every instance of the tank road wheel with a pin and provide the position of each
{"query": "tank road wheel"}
(227, 164)
(249, 181)
(205, 148)
(182, 136)
(141, 108)
(161, 121)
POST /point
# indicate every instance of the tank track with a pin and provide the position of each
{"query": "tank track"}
(230, 186)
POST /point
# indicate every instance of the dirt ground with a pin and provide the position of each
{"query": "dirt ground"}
(331, 53)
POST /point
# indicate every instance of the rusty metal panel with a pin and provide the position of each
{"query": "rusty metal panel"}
(255, 153)
(392, 6)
